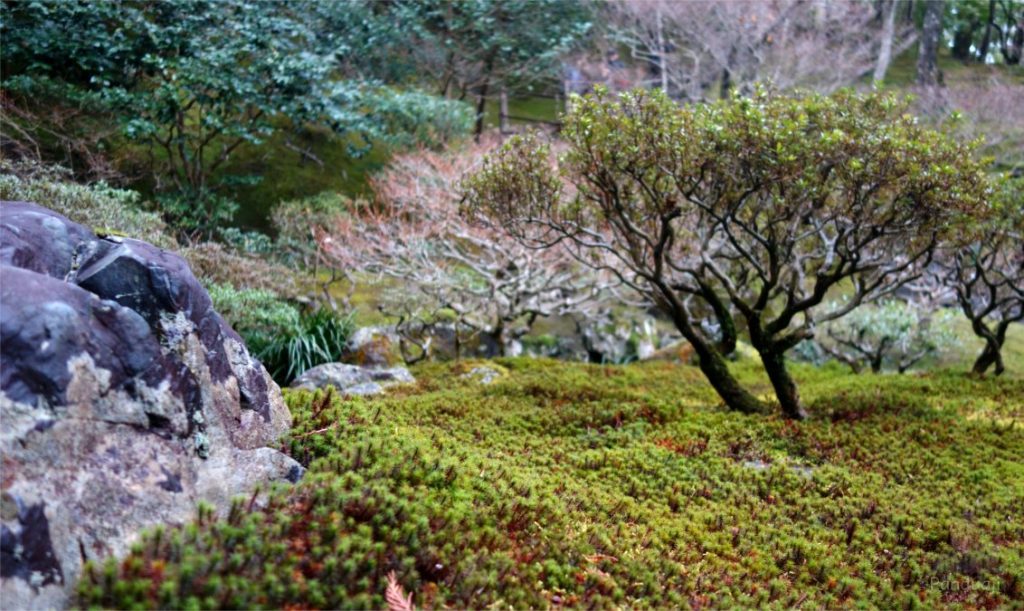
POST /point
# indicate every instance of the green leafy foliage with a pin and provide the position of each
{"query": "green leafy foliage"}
(284, 338)
(192, 81)
(320, 337)
(512, 42)
(259, 316)
(101, 207)
(893, 335)
(601, 486)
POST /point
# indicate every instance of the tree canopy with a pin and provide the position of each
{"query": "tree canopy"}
(749, 212)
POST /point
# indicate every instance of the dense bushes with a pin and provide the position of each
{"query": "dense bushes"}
(598, 486)
(100, 207)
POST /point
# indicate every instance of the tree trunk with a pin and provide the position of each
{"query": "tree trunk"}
(888, 32)
(481, 104)
(716, 370)
(481, 107)
(727, 343)
(992, 353)
(503, 112)
(876, 363)
(986, 359)
(1013, 47)
(785, 388)
(710, 361)
(928, 50)
(987, 39)
(962, 41)
(662, 68)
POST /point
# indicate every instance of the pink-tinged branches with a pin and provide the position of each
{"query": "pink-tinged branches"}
(448, 269)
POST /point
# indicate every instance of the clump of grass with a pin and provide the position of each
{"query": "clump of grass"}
(581, 485)
(320, 336)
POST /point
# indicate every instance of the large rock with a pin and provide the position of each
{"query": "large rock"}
(125, 400)
(353, 379)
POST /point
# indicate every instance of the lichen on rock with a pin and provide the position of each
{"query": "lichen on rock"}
(125, 398)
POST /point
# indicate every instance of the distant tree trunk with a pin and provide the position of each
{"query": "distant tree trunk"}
(662, 68)
(908, 16)
(928, 50)
(481, 104)
(962, 41)
(1013, 46)
(503, 111)
(481, 107)
(888, 32)
(987, 39)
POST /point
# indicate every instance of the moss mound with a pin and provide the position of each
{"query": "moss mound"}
(580, 485)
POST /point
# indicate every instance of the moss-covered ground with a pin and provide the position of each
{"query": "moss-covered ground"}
(579, 485)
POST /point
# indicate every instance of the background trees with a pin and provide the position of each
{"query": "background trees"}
(193, 81)
(893, 334)
(931, 35)
(750, 212)
(703, 50)
(479, 46)
(449, 269)
(193, 103)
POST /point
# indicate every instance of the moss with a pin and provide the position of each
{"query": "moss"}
(583, 485)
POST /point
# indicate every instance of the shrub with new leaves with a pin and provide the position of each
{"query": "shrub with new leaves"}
(750, 209)
(893, 334)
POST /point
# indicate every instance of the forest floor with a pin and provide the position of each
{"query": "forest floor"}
(584, 485)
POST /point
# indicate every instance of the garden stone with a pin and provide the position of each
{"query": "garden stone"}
(125, 401)
(372, 346)
(353, 379)
(364, 390)
(482, 374)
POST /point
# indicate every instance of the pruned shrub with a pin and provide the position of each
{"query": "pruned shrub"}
(215, 264)
(892, 334)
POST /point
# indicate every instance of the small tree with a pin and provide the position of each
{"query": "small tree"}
(752, 209)
(893, 334)
(987, 274)
(480, 278)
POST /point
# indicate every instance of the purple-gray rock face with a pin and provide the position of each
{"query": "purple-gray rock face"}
(125, 400)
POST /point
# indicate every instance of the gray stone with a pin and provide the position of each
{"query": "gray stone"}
(125, 400)
(482, 374)
(353, 379)
(364, 390)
